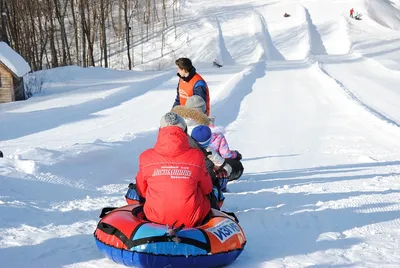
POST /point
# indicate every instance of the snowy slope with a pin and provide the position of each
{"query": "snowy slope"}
(311, 101)
(385, 12)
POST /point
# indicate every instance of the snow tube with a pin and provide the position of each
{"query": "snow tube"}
(127, 237)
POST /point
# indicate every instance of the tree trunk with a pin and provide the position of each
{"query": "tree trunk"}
(127, 30)
(4, 36)
(165, 14)
(75, 25)
(62, 28)
(90, 33)
(13, 18)
(103, 29)
(155, 13)
(83, 32)
(173, 18)
(148, 9)
(54, 59)
(34, 45)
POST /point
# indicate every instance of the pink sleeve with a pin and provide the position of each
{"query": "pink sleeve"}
(224, 148)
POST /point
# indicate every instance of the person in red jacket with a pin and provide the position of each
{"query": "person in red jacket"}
(351, 12)
(173, 178)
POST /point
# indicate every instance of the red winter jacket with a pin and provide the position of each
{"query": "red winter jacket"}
(173, 178)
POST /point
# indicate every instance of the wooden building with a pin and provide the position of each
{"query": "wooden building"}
(12, 69)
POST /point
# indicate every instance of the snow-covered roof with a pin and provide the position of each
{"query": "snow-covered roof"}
(13, 61)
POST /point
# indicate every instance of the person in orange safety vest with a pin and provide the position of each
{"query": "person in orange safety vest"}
(190, 83)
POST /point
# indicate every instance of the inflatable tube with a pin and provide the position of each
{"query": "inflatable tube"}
(125, 236)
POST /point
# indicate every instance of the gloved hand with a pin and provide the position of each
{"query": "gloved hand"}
(132, 186)
(215, 158)
(221, 173)
(239, 155)
(227, 168)
(133, 195)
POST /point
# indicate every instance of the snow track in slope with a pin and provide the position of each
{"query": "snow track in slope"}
(235, 90)
(353, 96)
(223, 55)
(268, 51)
(316, 45)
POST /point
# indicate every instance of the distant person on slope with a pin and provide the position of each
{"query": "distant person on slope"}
(173, 178)
(351, 12)
(357, 16)
(190, 84)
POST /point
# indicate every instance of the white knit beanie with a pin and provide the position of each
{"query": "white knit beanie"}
(196, 102)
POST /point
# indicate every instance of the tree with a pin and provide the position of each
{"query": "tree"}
(60, 14)
(76, 35)
(52, 33)
(4, 36)
(103, 31)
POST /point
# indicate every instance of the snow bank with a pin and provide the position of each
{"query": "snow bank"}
(384, 12)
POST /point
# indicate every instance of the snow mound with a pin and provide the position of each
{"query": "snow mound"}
(13, 61)
(384, 12)
(14, 162)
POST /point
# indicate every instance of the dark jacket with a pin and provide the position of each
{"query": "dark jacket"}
(211, 171)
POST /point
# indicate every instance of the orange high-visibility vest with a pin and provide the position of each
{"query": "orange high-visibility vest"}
(186, 91)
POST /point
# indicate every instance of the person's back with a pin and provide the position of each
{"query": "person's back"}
(173, 179)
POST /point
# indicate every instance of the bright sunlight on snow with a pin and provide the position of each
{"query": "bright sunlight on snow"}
(311, 101)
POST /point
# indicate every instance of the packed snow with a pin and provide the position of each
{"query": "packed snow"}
(311, 101)
(13, 61)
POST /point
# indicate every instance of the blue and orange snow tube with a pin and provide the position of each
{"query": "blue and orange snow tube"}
(125, 236)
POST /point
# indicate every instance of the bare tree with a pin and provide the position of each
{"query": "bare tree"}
(49, 13)
(83, 31)
(103, 31)
(75, 26)
(33, 34)
(60, 14)
(4, 36)
(174, 5)
(50, 33)
(164, 9)
(90, 30)
(127, 31)
(155, 13)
